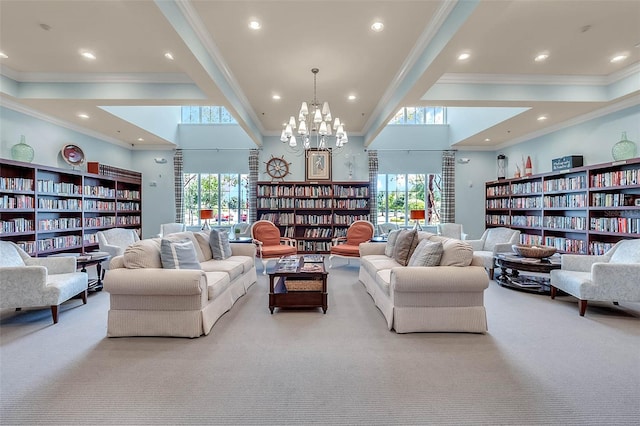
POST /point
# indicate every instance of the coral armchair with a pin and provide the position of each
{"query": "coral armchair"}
(27, 282)
(269, 243)
(612, 277)
(360, 231)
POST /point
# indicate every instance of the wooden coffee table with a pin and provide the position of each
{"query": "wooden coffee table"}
(512, 264)
(296, 284)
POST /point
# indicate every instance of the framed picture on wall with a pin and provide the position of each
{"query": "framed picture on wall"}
(318, 166)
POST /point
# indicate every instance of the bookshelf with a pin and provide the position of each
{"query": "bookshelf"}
(582, 210)
(313, 213)
(46, 210)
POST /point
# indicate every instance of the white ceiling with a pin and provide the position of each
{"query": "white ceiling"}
(220, 61)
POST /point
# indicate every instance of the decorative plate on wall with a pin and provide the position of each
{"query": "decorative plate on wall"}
(72, 154)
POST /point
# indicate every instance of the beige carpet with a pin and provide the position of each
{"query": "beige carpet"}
(541, 363)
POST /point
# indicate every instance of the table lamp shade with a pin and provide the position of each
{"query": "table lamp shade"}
(206, 214)
(416, 214)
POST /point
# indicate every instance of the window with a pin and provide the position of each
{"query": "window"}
(401, 193)
(206, 115)
(227, 194)
(420, 115)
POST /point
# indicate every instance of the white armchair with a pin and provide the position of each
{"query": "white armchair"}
(493, 241)
(27, 281)
(451, 230)
(115, 241)
(171, 228)
(612, 277)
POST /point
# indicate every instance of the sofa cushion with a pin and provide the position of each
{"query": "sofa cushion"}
(177, 236)
(277, 251)
(405, 245)
(217, 283)
(346, 250)
(233, 268)
(377, 262)
(391, 242)
(143, 254)
(247, 262)
(219, 242)
(427, 253)
(203, 242)
(179, 254)
(455, 252)
(383, 280)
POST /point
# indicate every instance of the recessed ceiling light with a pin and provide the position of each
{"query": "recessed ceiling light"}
(275, 97)
(255, 25)
(140, 140)
(619, 58)
(464, 56)
(3, 55)
(542, 118)
(487, 140)
(169, 56)
(377, 26)
(541, 57)
(351, 97)
(87, 55)
(83, 115)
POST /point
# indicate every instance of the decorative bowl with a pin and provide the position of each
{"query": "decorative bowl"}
(532, 250)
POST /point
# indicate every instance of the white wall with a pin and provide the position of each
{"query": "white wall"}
(417, 149)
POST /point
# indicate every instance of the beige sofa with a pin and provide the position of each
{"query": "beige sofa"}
(444, 298)
(147, 300)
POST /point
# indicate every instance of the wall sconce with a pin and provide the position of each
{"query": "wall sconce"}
(206, 214)
(160, 160)
(417, 215)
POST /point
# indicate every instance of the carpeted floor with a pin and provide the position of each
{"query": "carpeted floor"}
(540, 363)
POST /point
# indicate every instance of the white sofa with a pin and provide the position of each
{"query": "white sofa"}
(147, 300)
(444, 298)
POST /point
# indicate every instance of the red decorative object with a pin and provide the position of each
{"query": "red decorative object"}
(206, 214)
(528, 170)
(417, 215)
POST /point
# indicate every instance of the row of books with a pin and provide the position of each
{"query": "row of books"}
(565, 184)
(99, 191)
(16, 202)
(17, 224)
(625, 225)
(565, 222)
(567, 200)
(59, 223)
(526, 187)
(110, 171)
(530, 221)
(526, 203)
(51, 187)
(617, 178)
(16, 184)
(612, 200)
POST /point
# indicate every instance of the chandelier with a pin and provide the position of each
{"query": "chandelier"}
(314, 122)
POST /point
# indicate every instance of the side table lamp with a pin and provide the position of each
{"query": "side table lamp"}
(206, 214)
(417, 215)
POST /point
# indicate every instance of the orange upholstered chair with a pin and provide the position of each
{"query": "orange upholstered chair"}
(360, 231)
(269, 243)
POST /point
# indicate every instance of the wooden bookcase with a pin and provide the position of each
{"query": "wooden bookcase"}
(581, 210)
(313, 213)
(46, 210)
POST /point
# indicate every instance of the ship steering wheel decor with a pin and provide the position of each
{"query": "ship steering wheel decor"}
(277, 168)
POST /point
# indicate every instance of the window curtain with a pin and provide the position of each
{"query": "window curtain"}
(254, 164)
(373, 187)
(178, 185)
(448, 203)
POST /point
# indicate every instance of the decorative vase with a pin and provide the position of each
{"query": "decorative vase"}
(624, 149)
(22, 151)
(528, 170)
(502, 170)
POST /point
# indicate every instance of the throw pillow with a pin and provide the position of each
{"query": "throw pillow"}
(405, 245)
(219, 242)
(180, 254)
(427, 253)
(143, 254)
(391, 242)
